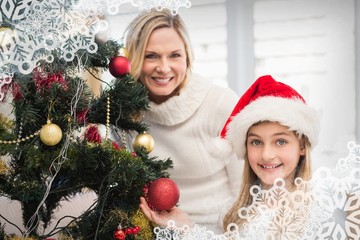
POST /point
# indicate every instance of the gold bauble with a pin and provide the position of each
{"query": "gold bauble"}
(144, 140)
(124, 52)
(50, 134)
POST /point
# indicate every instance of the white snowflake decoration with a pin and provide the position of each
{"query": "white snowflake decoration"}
(37, 27)
(330, 209)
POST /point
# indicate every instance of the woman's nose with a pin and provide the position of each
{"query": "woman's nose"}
(163, 66)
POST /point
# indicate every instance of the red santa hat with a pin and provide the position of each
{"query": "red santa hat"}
(269, 100)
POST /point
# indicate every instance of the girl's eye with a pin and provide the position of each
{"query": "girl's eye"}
(255, 142)
(281, 142)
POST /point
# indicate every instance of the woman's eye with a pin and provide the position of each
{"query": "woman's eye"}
(150, 56)
(175, 55)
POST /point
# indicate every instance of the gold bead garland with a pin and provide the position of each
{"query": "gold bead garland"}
(107, 118)
(19, 140)
(123, 138)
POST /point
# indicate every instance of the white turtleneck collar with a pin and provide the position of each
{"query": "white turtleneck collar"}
(178, 109)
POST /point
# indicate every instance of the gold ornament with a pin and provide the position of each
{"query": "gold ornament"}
(144, 140)
(124, 52)
(50, 134)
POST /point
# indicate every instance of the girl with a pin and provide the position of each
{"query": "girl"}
(273, 130)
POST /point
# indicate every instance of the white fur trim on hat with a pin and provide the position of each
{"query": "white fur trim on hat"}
(290, 112)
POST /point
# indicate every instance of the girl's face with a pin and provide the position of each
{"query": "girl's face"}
(164, 67)
(273, 152)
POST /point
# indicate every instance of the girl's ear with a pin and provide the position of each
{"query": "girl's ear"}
(302, 146)
(302, 150)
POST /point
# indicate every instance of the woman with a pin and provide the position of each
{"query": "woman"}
(186, 114)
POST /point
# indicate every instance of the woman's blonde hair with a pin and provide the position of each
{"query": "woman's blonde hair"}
(303, 171)
(138, 32)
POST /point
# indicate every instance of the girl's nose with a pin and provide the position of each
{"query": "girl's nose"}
(269, 153)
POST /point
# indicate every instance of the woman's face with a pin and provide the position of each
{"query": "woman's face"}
(273, 152)
(164, 67)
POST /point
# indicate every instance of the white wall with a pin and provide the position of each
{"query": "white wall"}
(310, 45)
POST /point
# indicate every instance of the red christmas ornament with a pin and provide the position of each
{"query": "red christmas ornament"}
(162, 194)
(119, 234)
(128, 231)
(136, 230)
(119, 66)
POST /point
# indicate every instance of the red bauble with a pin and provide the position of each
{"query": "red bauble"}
(119, 234)
(163, 194)
(119, 66)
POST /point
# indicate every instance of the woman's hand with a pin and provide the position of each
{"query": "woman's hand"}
(162, 218)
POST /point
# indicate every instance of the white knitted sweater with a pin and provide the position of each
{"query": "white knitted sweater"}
(186, 128)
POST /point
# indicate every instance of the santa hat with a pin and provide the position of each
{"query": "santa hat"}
(269, 100)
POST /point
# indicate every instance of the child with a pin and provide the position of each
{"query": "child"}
(273, 130)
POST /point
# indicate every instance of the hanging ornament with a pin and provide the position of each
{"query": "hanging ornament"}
(144, 140)
(135, 230)
(162, 194)
(50, 134)
(119, 234)
(119, 66)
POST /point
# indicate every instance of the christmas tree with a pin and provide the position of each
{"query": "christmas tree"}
(54, 148)
(50, 160)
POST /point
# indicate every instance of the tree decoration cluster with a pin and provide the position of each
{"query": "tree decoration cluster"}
(55, 149)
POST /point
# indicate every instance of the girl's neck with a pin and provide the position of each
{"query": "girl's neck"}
(289, 185)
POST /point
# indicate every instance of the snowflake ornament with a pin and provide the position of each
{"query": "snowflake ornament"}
(30, 30)
(325, 207)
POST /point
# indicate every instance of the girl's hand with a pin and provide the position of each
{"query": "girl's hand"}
(162, 218)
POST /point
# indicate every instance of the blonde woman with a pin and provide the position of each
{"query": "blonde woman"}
(186, 114)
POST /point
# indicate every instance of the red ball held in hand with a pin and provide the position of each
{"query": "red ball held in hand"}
(162, 194)
(119, 66)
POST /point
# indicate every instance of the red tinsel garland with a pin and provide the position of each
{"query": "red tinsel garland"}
(45, 80)
(92, 134)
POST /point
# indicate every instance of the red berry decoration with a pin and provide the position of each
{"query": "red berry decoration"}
(163, 194)
(119, 66)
